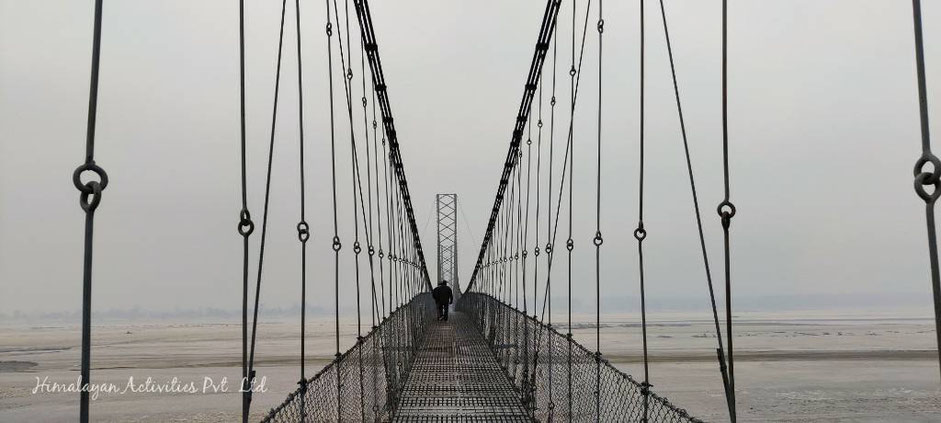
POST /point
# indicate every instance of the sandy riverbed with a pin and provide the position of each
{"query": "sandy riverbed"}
(790, 367)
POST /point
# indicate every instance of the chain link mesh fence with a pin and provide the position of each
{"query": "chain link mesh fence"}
(364, 383)
(558, 379)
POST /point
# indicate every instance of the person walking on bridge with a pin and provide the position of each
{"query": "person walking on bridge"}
(443, 298)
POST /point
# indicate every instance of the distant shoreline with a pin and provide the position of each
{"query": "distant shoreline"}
(615, 358)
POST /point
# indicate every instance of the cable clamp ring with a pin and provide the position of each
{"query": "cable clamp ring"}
(726, 208)
(570, 244)
(726, 211)
(303, 231)
(640, 233)
(89, 166)
(935, 171)
(94, 191)
(246, 226)
(600, 26)
(356, 248)
(598, 240)
(336, 244)
(925, 177)
(329, 29)
(371, 250)
(922, 180)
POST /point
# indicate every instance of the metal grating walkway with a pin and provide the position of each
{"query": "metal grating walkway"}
(455, 378)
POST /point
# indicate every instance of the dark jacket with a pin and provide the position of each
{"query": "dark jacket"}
(442, 295)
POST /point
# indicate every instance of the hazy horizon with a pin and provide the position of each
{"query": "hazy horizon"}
(907, 305)
(823, 119)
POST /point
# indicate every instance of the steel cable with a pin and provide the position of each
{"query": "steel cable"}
(598, 240)
(926, 176)
(89, 199)
(303, 229)
(248, 384)
(695, 197)
(640, 233)
(245, 226)
(726, 211)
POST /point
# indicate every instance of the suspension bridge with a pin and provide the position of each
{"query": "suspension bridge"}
(500, 357)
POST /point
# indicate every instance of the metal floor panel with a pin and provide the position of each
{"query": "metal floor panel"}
(455, 378)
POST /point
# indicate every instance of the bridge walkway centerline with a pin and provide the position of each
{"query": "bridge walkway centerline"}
(456, 378)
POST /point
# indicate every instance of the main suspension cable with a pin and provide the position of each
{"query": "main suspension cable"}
(566, 159)
(542, 46)
(375, 64)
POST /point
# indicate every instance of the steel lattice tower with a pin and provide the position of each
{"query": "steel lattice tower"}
(447, 240)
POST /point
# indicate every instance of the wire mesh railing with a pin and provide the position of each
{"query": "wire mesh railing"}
(557, 378)
(364, 383)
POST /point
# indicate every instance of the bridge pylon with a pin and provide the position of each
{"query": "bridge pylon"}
(446, 206)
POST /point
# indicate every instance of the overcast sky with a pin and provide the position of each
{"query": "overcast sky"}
(822, 109)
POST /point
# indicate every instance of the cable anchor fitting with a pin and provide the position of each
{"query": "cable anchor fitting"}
(645, 388)
(91, 189)
(640, 233)
(336, 244)
(246, 226)
(726, 211)
(303, 231)
(925, 177)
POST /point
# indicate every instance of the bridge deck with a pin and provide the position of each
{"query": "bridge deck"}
(455, 378)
